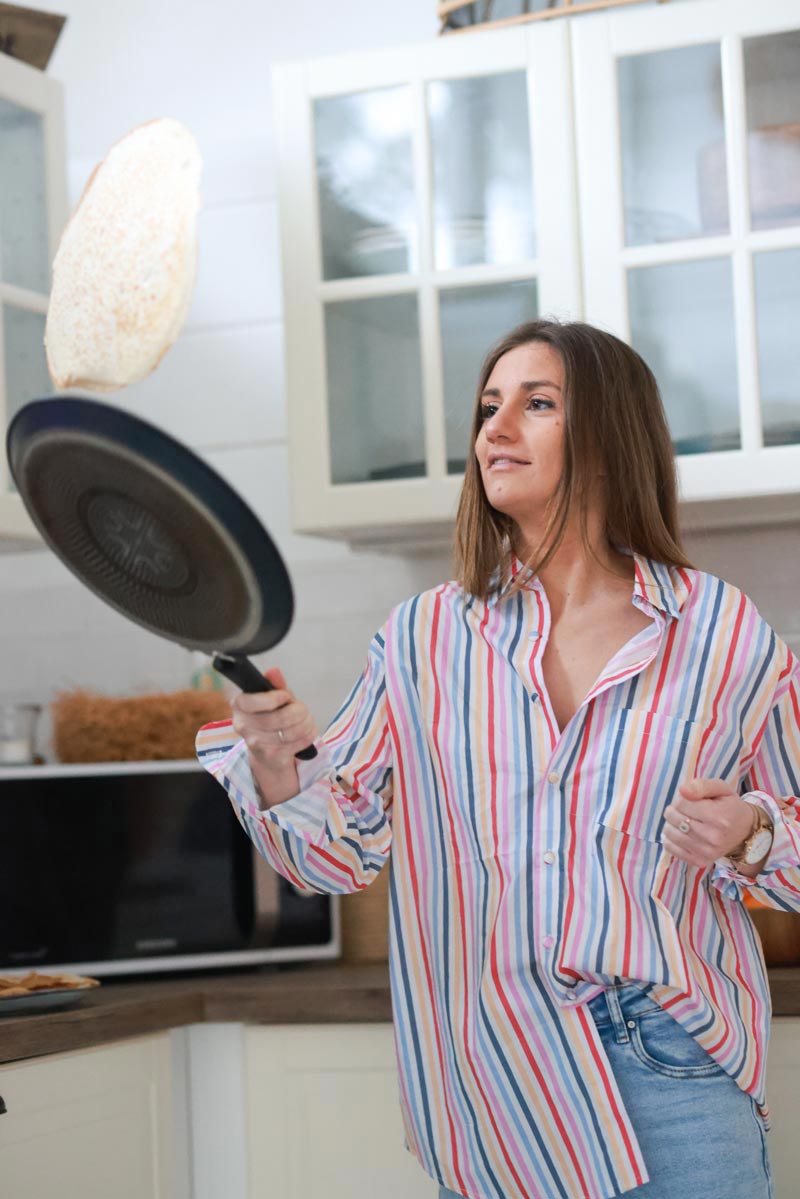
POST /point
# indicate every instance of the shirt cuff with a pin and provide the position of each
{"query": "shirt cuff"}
(783, 852)
(312, 814)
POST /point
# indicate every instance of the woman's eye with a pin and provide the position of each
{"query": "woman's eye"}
(487, 411)
(539, 403)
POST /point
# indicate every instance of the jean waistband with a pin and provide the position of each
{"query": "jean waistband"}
(625, 1000)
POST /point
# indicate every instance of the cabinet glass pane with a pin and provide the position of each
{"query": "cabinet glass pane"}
(772, 81)
(681, 318)
(24, 242)
(483, 198)
(674, 169)
(366, 186)
(777, 279)
(374, 389)
(26, 374)
(472, 319)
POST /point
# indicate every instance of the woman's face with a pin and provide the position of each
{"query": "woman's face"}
(520, 446)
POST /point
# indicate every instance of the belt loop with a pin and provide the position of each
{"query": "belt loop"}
(615, 1012)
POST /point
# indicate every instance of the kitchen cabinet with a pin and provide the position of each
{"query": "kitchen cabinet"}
(783, 1072)
(323, 1115)
(92, 1124)
(688, 123)
(33, 209)
(637, 168)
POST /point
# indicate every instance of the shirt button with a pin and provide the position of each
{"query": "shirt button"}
(549, 857)
(534, 635)
(548, 942)
(553, 778)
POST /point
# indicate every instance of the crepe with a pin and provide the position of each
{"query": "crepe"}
(125, 268)
(14, 985)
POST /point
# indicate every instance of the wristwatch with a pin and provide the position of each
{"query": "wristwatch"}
(758, 844)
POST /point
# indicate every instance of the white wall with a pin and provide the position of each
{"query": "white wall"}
(221, 387)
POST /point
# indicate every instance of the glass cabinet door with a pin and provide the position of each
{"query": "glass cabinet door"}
(24, 237)
(692, 248)
(675, 188)
(427, 207)
(772, 95)
(26, 374)
(682, 323)
(397, 240)
(33, 209)
(672, 136)
(480, 213)
(374, 389)
(482, 173)
(367, 207)
(777, 302)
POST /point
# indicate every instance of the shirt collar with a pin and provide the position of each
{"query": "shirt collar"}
(660, 585)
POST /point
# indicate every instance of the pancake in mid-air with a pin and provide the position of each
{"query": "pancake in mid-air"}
(125, 268)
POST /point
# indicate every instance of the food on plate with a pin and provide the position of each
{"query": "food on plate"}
(14, 985)
(125, 268)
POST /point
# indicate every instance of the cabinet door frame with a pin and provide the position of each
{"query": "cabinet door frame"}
(356, 509)
(284, 1065)
(35, 91)
(598, 41)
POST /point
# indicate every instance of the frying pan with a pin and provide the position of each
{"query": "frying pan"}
(151, 529)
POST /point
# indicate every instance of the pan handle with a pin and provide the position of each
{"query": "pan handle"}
(244, 674)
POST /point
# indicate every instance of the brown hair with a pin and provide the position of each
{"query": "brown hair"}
(615, 426)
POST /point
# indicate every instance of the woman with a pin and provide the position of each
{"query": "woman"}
(582, 754)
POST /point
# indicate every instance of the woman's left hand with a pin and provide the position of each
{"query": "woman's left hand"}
(719, 821)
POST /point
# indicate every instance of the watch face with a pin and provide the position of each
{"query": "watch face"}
(759, 846)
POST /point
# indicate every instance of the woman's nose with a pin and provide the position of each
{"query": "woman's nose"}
(499, 425)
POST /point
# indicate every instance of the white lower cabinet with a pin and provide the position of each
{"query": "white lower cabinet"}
(274, 1112)
(96, 1124)
(323, 1115)
(783, 1094)
(323, 1118)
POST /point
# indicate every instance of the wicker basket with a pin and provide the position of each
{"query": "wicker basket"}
(98, 728)
(457, 15)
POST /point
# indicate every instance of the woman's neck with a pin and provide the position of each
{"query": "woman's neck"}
(577, 572)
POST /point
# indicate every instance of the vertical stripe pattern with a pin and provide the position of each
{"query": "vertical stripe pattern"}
(527, 867)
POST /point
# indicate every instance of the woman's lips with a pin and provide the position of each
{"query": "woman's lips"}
(507, 464)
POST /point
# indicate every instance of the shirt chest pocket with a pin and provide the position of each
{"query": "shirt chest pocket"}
(649, 756)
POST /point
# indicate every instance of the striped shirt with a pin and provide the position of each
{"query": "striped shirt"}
(527, 872)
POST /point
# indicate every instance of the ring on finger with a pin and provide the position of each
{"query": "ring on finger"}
(280, 736)
(685, 826)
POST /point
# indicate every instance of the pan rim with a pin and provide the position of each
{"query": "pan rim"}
(242, 543)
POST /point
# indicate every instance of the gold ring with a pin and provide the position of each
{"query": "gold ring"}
(280, 736)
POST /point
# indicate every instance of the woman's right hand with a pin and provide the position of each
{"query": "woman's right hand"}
(274, 725)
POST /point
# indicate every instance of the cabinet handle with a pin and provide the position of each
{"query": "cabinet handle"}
(3, 1108)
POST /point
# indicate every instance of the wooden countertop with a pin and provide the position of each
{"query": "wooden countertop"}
(307, 994)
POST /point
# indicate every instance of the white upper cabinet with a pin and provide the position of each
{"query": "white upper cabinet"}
(427, 206)
(688, 137)
(430, 201)
(33, 206)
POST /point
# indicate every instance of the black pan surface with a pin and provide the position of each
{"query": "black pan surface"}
(152, 530)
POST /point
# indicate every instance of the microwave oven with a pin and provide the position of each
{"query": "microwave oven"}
(128, 868)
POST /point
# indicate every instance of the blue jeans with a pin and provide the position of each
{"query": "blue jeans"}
(701, 1136)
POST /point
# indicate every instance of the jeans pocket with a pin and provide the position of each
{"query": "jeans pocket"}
(665, 1047)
